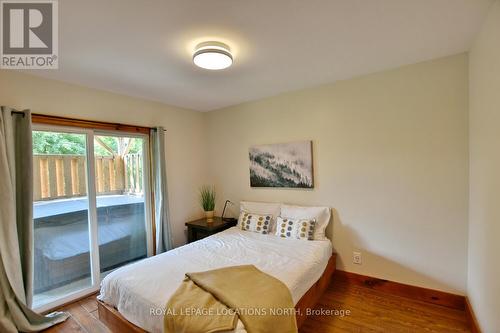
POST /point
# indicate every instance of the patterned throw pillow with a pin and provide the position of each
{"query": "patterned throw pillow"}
(295, 228)
(255, 222)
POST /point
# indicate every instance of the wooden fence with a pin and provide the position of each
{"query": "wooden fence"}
(65, 176)
(133, 173)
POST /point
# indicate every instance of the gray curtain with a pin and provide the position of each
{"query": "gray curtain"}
(159, 173)
(16, 226)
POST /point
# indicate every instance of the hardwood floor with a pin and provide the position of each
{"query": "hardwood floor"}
(377, 311)
(84, 318)
(370, 311)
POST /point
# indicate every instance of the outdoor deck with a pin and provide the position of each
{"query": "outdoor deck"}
(62, 239)
(77, 204)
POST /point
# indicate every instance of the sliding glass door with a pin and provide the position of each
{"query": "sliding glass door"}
(91, 209)
(121, 204)
(62, 262)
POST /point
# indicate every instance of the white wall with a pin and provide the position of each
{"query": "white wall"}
(184, 137)
(484, 221)
(390, 156)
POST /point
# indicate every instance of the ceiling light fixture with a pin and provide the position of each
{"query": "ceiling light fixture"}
(212, 55)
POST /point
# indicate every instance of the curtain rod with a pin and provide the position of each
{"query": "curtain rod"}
(64, 121)
(24, 114)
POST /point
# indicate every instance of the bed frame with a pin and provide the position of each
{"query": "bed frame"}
(117, 323)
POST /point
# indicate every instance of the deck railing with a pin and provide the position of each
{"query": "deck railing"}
(64, 176)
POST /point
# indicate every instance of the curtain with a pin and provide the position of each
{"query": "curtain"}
(16, 226)
(159, 178)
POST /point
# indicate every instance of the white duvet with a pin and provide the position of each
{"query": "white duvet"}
(144, 287)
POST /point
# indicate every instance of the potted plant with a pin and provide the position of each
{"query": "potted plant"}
(207, 201)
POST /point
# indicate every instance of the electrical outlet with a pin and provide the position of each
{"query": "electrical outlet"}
(356, 258)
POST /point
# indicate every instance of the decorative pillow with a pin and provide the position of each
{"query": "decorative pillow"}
(254, 222)
(320, 214)
(295, 228)
(261, 208)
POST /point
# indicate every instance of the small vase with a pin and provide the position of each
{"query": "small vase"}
(210, 216)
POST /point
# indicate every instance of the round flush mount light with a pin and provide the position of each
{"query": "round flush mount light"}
(212, 55)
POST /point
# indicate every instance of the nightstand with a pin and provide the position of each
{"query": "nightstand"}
(200, 228)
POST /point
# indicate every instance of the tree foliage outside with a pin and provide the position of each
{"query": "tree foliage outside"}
(58, 143)
(114, 143)
(51, 143)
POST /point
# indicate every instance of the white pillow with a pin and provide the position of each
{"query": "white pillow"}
(320, 214)
(262, 208)
(297, 229)
(255, 222)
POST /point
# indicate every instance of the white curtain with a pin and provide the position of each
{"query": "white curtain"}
(159, 173)
(16, 226)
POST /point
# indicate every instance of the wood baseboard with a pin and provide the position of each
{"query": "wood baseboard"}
(471, 317)
(404, 290)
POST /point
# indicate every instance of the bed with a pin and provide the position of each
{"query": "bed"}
(132, 297)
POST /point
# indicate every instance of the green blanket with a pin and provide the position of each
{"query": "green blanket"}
(212, 301)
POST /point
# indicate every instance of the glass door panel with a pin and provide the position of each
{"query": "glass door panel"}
(121, 205)
(62, 261)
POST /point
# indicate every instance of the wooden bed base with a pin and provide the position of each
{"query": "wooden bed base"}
(117, 323)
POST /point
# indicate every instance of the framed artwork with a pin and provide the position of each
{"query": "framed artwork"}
(288, 165)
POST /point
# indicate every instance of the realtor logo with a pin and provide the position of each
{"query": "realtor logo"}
(29, 34)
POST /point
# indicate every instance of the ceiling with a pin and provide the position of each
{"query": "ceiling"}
(143, 48)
